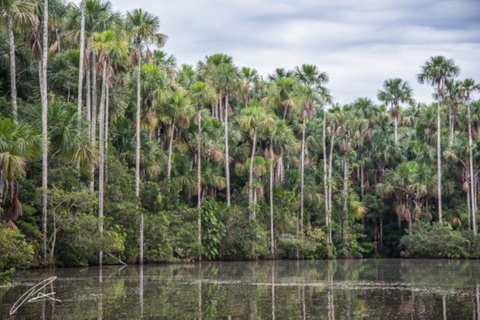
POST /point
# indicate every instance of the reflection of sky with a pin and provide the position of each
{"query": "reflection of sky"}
(359, 43)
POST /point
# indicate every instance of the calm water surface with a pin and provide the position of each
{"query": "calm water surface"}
(344, 289)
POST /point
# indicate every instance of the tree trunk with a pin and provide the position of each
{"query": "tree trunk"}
(472, 172)
(325, 182)
(302, 173)
(88, 99)
(439, 162)
(199, 182)
(107, 115)
(137, 153)
(395, 123)
(170, 150)
(250, 178)
(43, 89)
(330, 182)
(272, 235)
(93, 134)
(345, 195)
(101, 164)
(451, 126)
(82, 57)
(227, 156)
(13, 69)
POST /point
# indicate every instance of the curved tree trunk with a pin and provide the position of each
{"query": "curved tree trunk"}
(82, 57)
(101, 164)
(13, 69)
(43, 91)
(227, 156)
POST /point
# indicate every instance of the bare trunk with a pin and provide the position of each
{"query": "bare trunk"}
(170, 150)
(395, 123)
(302, 174)
(107, 114)
(43, 89)
(199, 182)
(330, 182)
(227, 157)
(137, 154)
(439, 163)
(82, 57)
(250, 178)
(88, 100)
(93, 134)
(325, 183)
(101, 164)
(472, 172)
(272, 235)
(345, 195)
(13, 69)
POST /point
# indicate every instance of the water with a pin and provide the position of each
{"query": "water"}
(343, 289)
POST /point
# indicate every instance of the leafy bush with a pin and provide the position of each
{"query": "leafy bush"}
(15, 252)
(436, 240)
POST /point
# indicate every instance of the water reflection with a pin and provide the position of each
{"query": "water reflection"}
(345, 289)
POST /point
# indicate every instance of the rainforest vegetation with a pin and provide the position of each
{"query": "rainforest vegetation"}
(112, 152)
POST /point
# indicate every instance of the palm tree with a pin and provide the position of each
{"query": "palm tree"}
(468, 86)
(143, 27)
(16, 13)
(19, 143)
(435, 72)
(106, 46)
(201, 93)
(395, 91)
(249, 77)
(452, 99)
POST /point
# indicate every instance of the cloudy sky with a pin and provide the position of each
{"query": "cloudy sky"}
(359, 43)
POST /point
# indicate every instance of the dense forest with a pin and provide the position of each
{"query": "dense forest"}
(112, 152)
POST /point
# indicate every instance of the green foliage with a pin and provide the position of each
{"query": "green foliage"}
(15, 251)
(436, 240)
(212, 227)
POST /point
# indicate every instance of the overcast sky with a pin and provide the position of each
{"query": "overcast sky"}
(358, 43)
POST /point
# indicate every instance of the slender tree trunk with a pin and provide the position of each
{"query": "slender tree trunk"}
(345, 195)
(302, 174)
(44, 128)
(395, 123)
(330, 183)
(137, 152)
(13, 69)
(472, 172)
(227, 156)
(250, 178)
(199, 182)
(93, 134)
(107, 122)
(88, 98)
(272, 235)
(439, 162)
(451, 126)
(101, 164)
(82, 57)
(325, 182)
(170, 150)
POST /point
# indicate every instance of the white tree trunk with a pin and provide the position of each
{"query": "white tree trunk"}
(199, 181)
(107, 115)
(93, 134)
(250, 178)
(302, 176)
(325, 183)
(227, 156)
(137, 155)
(101, 164)
(395, 122)
(82, 57)
(170, 150)
(272, 235)
(88, 98)
(472, 172)
(43, 89)
(13, 69)
(439, 163)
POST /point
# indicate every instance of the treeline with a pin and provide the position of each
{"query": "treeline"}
(138, 159)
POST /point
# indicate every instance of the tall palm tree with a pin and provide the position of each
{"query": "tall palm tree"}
(201, 93)
(395, 91)
(106, 46)
(468, 86)
(16, 13)
(143, 27)
(452, 100)
(435, 72)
